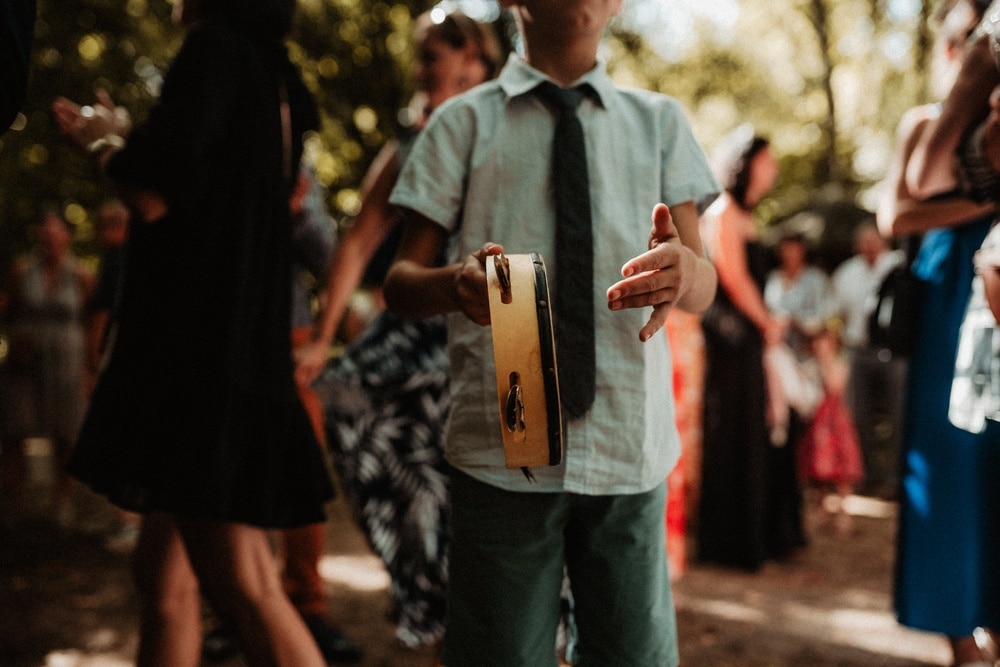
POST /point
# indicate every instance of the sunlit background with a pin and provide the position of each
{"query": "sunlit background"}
(826, 79)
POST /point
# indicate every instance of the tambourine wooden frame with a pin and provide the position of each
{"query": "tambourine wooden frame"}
(525, 359)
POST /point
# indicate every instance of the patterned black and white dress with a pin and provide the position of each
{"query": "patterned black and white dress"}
(386, 401)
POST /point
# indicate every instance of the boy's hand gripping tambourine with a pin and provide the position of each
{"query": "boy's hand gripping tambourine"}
(525, 357)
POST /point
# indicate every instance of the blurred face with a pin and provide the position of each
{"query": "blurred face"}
(763, 174)
(444, 71)
(582, 18)
(53, 237)
(949, 47)
(870, 245)
(792, 254)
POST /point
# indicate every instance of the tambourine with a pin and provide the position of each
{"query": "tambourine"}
(525, 358)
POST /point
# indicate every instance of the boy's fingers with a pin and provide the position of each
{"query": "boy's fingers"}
(655, 322)
(488, 249)
(645, 276)
(471, 284)
(660, 257)
(663, 230)
(665, 295)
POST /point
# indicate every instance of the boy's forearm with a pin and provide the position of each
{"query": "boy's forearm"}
(699, 278)
(416, 291)
(702, 288)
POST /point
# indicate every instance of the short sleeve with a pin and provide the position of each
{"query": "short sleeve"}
(432, 179)
(686, 173)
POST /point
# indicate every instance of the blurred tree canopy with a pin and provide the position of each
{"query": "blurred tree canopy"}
(826, 79)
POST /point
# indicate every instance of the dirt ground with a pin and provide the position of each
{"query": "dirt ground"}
(67, 601)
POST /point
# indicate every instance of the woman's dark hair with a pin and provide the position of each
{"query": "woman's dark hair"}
(458, 31)
(272, 18)
(732, 159)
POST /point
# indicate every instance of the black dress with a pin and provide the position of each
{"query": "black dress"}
(750, 504)
(196, 412)
(17, 27)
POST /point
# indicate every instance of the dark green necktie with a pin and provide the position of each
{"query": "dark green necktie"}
(574, 298)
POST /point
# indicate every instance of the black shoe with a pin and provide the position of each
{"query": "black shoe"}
(333, 644)
(219, 645)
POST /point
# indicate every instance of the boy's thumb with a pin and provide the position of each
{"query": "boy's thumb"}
(663, 222)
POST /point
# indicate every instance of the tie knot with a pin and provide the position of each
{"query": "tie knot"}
(562, 99)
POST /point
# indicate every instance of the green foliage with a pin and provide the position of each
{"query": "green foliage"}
(355, 56)
(80, 45)
(826, 79)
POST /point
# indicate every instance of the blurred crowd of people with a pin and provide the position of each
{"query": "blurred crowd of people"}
(190, 379)
(817, 402)
(782, 393)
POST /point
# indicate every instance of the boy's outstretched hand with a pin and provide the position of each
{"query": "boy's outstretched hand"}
(658, 277)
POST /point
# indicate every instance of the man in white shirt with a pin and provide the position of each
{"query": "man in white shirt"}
(878, 378)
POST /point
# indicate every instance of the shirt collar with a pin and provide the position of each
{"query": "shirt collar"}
(518, 78)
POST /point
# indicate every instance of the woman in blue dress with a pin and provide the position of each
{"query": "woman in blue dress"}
(947, 572)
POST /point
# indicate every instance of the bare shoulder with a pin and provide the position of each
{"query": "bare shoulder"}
(915, 120)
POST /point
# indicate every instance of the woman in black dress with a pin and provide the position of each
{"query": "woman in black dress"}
(750, 503)
(195, 421)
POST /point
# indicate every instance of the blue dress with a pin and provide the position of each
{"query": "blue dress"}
(948, 563)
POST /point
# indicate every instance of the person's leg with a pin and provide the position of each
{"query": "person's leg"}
(506, 572)
(170, 612)
(18, 421)
(844, 523)
(62, 495)
(12, 471)
(621, 587)
(240, 577)
(303, 547)
(895, 373)
(861, 403)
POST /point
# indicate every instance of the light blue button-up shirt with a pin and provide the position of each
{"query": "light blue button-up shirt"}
(480, 169)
